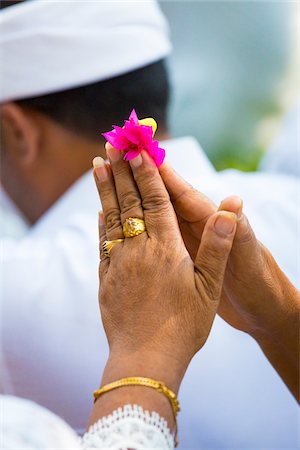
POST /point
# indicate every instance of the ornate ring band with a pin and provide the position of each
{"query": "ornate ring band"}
(108, 245)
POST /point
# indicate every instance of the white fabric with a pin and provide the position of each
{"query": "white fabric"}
(284, 154)
(50, 46)
(24, 425)
(53, 345)
(12, 222)
(129, 427)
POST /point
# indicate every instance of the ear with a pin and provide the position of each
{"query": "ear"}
(20, 134)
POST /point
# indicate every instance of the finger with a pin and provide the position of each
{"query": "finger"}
(107, 191)
(244, 236)
(104, 260)
(189, 203)
(128, 195)
(159, 214)
(233, 204)
(245, 246)
(213, 252)
(102, 230)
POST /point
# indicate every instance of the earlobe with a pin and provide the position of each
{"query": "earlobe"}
(20, 134)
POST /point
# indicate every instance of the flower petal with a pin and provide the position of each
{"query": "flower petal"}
(131, 154)
(116, 138)
(134, 136)
(131, 132)
(145, 135)
(133, 117)
(152, 148)
(159, 156)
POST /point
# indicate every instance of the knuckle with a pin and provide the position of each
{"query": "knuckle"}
(210, 273)
(129, 200)
(151, 182)
(211, 266)
(145, 173)
(208, 280)
(158, 221)
(105, 190)
(156, 199)
(121, 169)
(112, 216)
(214, 255)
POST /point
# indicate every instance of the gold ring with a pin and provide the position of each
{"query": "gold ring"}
(108, 245)
(133, 227)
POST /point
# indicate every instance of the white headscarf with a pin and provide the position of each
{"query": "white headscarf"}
(48, 46)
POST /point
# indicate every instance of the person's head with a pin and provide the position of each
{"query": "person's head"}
(49, 140)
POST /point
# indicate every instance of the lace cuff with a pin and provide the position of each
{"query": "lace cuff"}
(129, 427)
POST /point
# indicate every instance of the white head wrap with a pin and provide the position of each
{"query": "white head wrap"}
(48, 46)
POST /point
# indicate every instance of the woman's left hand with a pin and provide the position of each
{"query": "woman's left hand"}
(156, 303)
(257, 297)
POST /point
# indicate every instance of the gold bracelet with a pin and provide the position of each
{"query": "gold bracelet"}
(148, 382)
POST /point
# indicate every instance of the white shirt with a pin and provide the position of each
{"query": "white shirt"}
(25, 425)
(53, 347)
(287, 161)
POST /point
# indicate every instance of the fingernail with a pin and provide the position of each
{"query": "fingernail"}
(137, 161)
(100, 168)
(239, 211)
(225, 223)
(113, 154)
(232, 204)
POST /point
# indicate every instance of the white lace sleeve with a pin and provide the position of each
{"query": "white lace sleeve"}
(129, 427)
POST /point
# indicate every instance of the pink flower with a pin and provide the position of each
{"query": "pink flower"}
(135, 137)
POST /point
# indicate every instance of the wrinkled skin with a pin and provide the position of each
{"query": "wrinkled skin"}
(257, 297)
(157, 304)
(153, 297)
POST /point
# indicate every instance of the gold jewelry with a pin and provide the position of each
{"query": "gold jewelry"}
(148, 382)
(133, 226)
(108, 245)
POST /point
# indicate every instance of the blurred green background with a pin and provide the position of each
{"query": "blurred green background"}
(233, 74)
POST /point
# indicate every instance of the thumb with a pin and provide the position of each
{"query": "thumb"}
(213, 252)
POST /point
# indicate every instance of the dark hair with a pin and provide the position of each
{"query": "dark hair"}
(5, 4)
(93, 108)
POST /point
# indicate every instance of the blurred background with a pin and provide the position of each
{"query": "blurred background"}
(235, 72)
